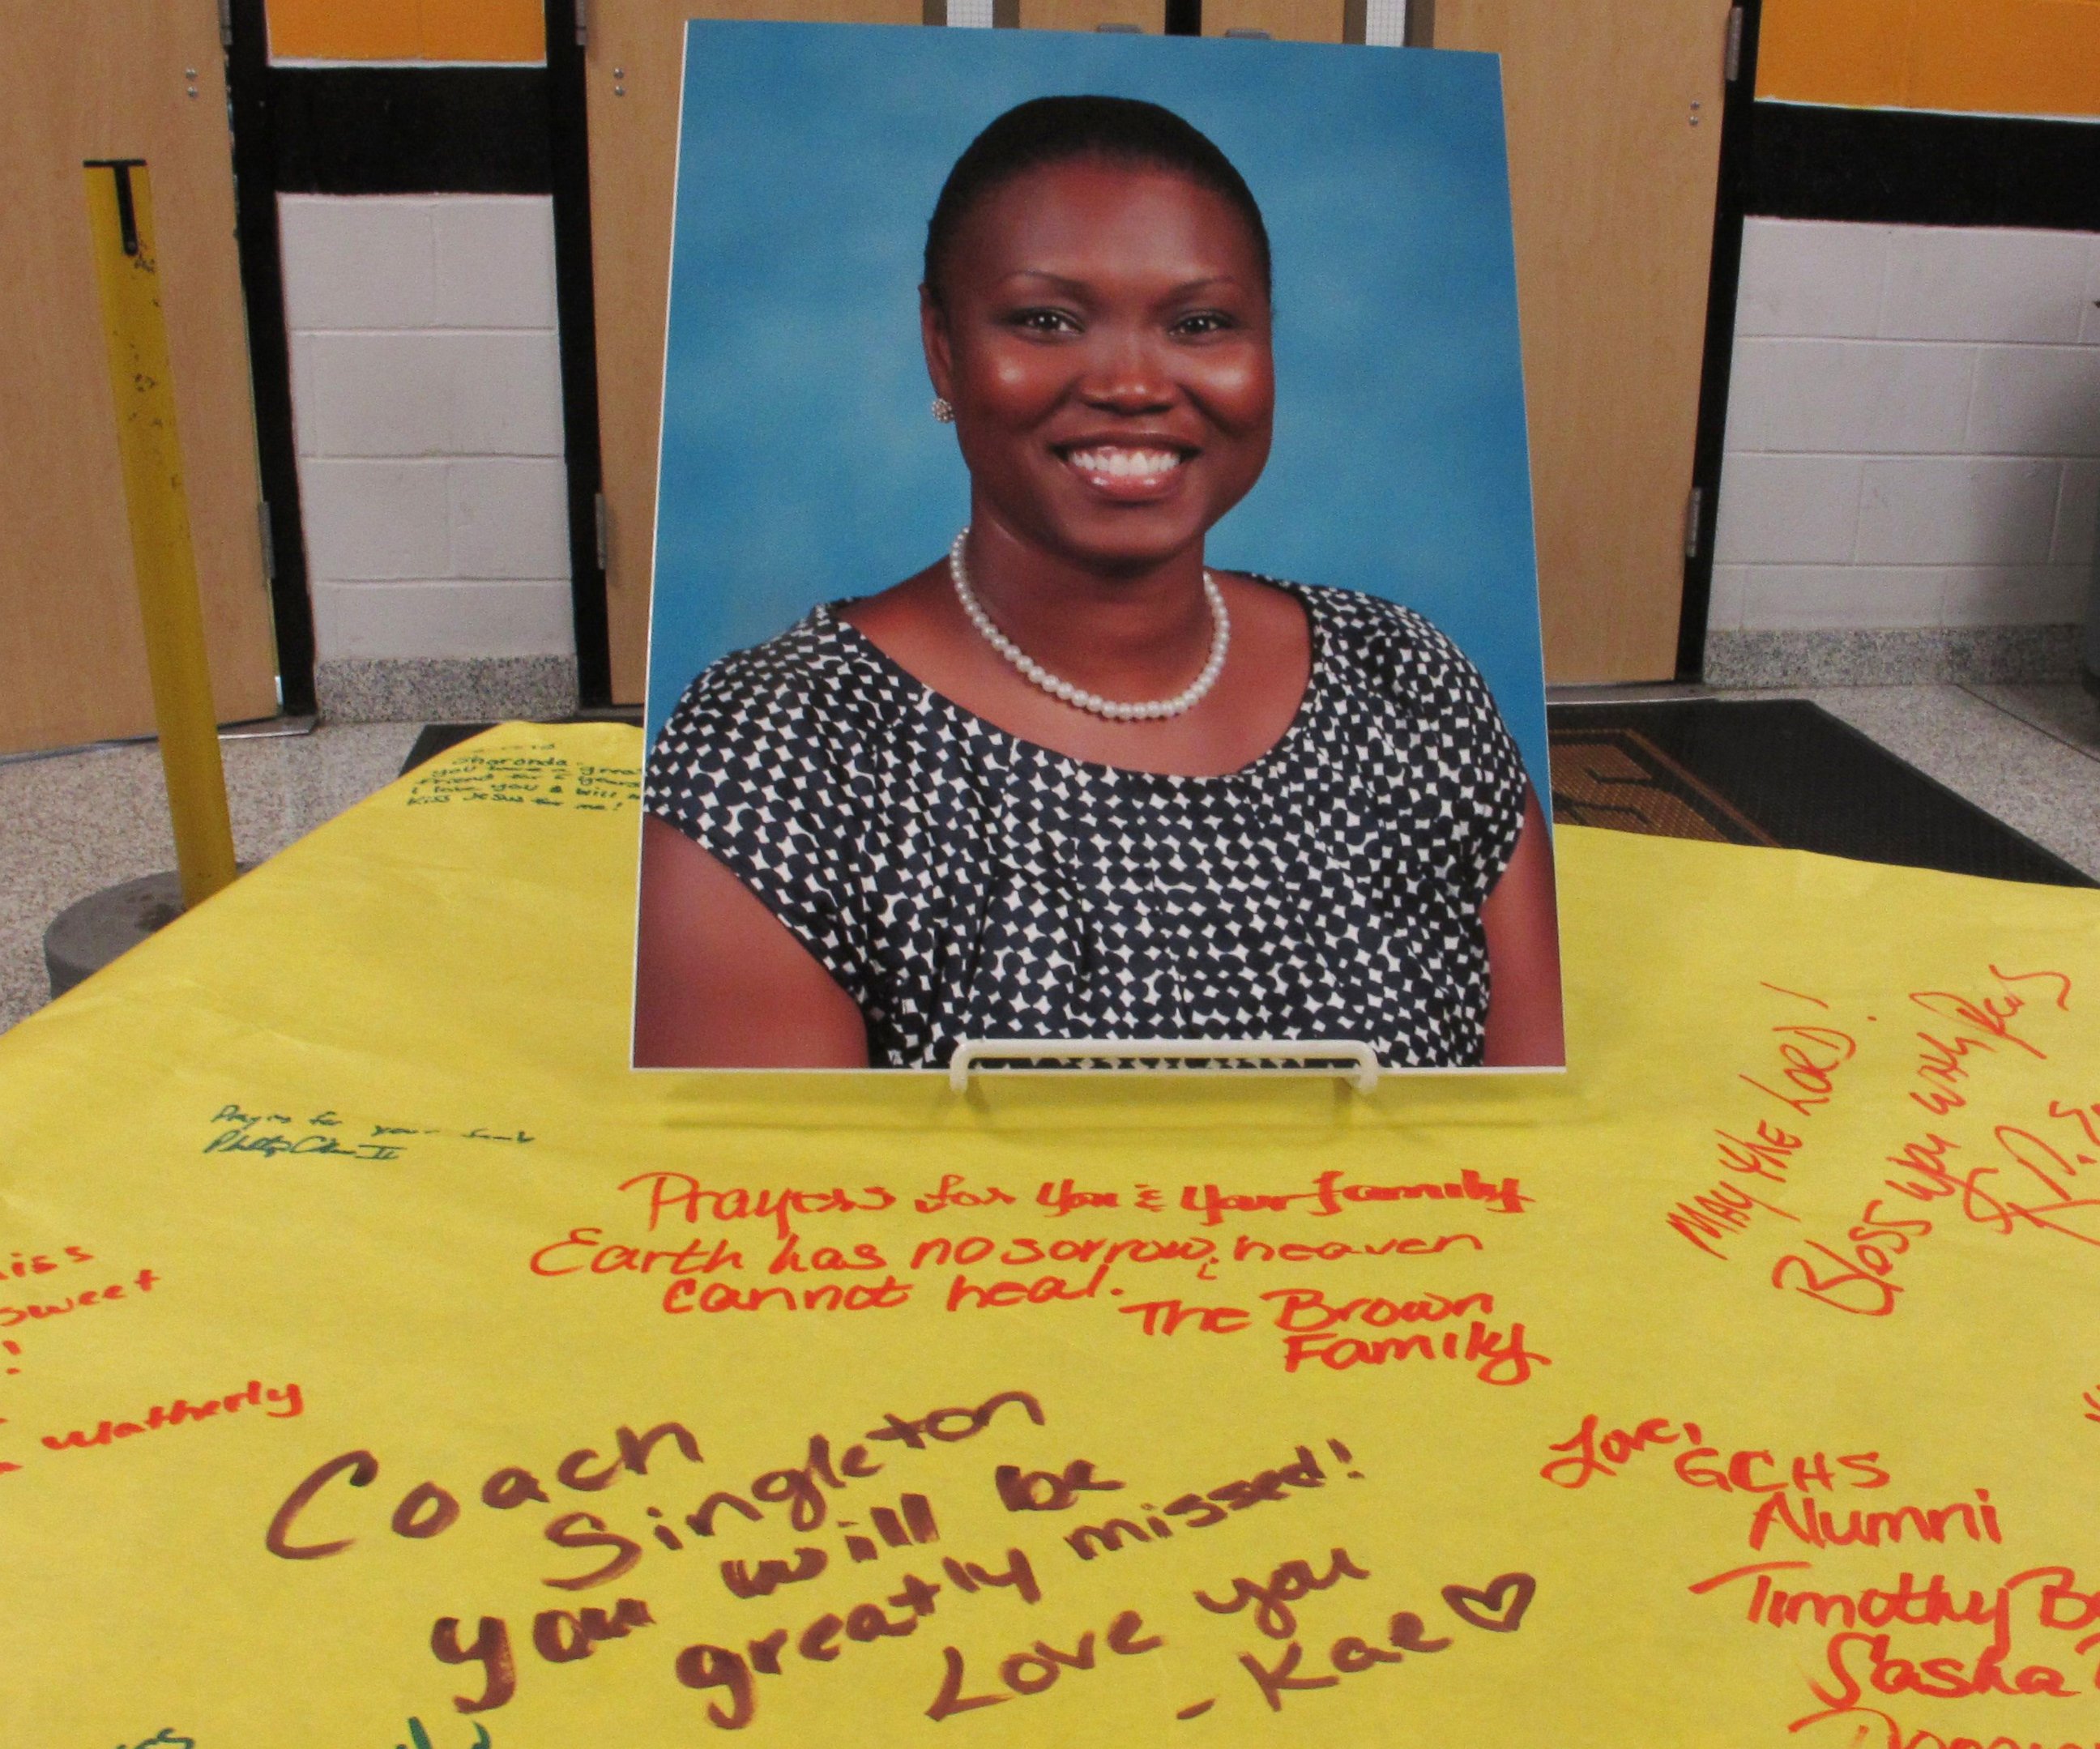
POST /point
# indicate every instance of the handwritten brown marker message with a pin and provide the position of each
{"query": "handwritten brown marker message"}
(1057, 1517)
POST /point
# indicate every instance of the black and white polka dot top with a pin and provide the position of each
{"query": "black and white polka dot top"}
(960, 882)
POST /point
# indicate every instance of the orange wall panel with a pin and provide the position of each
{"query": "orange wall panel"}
(2005, 57)
(2012, 57)
(407, 30)
(483, 30)
(1834, 51)
(366, 30)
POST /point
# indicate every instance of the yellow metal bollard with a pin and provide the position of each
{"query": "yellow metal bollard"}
(121, 214)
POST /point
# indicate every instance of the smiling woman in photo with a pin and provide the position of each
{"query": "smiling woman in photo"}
(1067, 783)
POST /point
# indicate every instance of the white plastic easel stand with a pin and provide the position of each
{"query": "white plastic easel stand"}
(1349, 1058)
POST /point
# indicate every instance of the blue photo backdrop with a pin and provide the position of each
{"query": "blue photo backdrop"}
(800, 464)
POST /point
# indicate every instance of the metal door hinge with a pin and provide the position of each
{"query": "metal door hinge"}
(1732, 62)
(604, 529)
(1693, 504)
(583, 23)
(226, 24)
(269, 540)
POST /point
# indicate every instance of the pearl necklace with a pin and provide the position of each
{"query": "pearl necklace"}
(1078, 696)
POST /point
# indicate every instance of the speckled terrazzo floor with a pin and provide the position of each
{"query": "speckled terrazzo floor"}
(75, 823)
(2029, 755)
(71, 824)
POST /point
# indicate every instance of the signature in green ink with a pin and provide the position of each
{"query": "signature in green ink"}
(163, 1739)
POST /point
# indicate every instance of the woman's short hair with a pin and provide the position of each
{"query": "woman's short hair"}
(1054, 130)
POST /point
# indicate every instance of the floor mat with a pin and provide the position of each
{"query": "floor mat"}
(442, 737)
(1774, 771)
(1618, 777)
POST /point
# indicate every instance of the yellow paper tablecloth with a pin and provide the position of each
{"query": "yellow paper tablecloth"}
(378, 1346)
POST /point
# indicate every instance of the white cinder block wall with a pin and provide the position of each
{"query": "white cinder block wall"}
(1914, 437)
(427, 411)
(1385, 22)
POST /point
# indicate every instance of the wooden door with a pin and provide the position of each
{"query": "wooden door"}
(633, 62)
(1614, 113)
(1286, 20)
(1149, 16)
(110, 82)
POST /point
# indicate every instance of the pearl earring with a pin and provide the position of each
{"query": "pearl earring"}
(943, 410)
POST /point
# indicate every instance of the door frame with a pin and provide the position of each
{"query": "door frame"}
(527, 127)
(577, 326)
(243, 35)
(1730, 204)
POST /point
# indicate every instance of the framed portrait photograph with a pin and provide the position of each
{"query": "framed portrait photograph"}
(1095, 596)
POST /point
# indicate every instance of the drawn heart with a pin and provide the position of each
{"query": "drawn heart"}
(1499, 1608)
